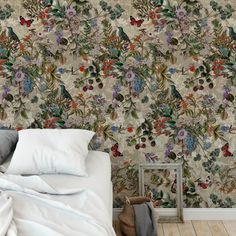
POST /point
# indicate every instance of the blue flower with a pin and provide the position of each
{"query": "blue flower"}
(224, 129)
(203, 23)
(28, 86)
(153, 87)
(114, 128)
(61, 70)
(138, 85)
(206, 145)
(172, 70)
(93, 22)
(190, 143)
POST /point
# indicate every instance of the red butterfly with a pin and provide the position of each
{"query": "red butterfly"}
(204, 185)
(23, 21)
(134, 22)
(115, 151)
(225, 150)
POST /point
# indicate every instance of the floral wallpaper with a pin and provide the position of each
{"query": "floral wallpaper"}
(156, 80)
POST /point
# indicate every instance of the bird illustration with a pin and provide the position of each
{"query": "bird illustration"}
(232, 34)
(64, 93)
(12, 34)
(175, 93)
(123, 35)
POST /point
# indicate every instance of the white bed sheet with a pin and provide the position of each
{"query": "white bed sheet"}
(98, 180)
(99, 170)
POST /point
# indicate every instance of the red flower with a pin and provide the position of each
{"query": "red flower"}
(107, 67)
(130, 129)
(192, 68)
(43, 14)
(82, 69)
(152, 15)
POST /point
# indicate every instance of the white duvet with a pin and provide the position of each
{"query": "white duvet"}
(30, 206)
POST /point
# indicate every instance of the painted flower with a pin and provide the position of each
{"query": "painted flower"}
(130, 129)
(82, 69)
(192, 68)
(190, 143)
(19, 76)
(181, 12)
(206, 145)
(116, 91)
(28, 86)
(114, 128)
(182, 134)
(227, 90)
(138, 86)
(129, 76)
(71, 12)
(61, 70)
(168, 150)
(6, 90)
(172, 70)
(169, 37)
(224, 128)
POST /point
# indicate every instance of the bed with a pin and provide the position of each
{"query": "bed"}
(59, 204)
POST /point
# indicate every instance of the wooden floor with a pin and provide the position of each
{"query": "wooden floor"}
(192, 228)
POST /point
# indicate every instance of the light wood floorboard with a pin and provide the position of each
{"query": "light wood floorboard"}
(230, 227)
(192, 228)
(201, 228)
(160, 230)
(217, 228)
(186, 229)
(170, 229)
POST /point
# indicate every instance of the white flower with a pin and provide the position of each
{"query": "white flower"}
(129, 76)
(70, 12)
(19, 76)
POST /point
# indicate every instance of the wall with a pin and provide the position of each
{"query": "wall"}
(155, 79)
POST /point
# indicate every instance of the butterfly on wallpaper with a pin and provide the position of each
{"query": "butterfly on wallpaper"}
(204, 185)
(23, 21)
(115, 151)
(135, 22)
(225, 150)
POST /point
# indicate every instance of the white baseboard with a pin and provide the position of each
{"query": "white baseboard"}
(194, 213)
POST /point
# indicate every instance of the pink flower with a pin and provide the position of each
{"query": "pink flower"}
(129, 76)
(19, 76)
(71, 12)
(182, 134)
(181, 12)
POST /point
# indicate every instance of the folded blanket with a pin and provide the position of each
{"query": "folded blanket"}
(145, 221)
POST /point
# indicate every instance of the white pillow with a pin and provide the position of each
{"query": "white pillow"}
(51, 151)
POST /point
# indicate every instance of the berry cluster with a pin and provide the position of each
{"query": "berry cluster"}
(143, 139)
(92, 70)
(200, 85)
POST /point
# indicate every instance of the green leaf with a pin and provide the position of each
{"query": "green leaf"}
(119, 64)
(24, 114)
(174, 41)
(138, 130)
(134, 114)
(9, 97)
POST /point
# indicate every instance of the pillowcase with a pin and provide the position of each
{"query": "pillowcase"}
(51, 151)
(8, 140)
